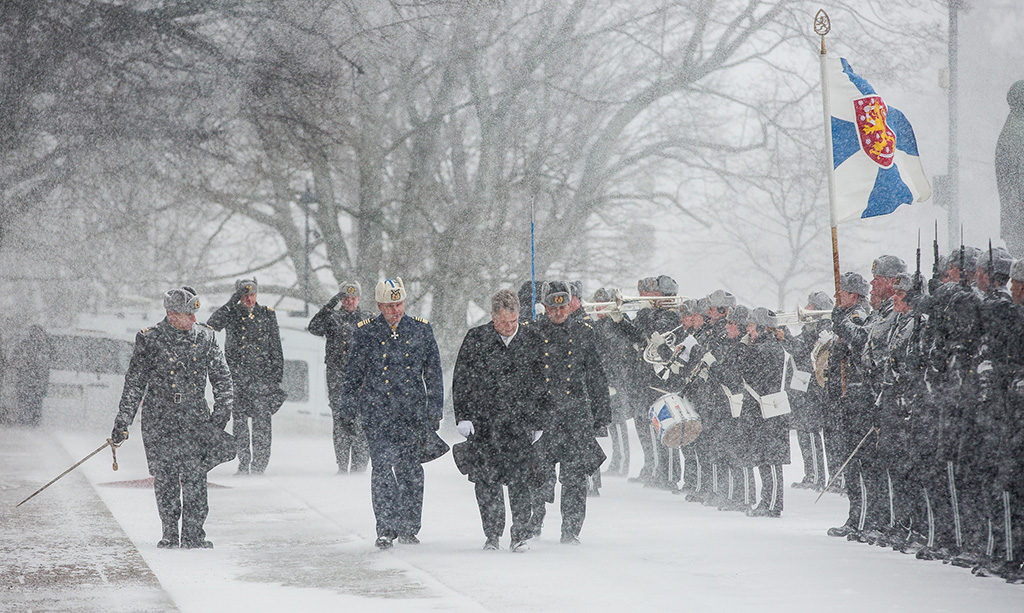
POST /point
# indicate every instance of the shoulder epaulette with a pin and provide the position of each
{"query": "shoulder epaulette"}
(204, 324)
(525, 322)
(364, 322)
(270, 308)
(586, 324)
(421, 320)
(144, 330)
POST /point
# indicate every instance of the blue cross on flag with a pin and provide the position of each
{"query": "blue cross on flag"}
(875, 161)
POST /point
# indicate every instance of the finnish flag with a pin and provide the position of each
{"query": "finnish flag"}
(876, 165)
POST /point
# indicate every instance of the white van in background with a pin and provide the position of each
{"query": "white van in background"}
(89, 362)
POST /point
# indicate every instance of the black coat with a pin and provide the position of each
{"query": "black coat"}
(167, 375)
(252, 346)
(336, 327)
(573, 402)
(766, 440)
(491, 387)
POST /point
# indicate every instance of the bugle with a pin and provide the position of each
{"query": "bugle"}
(801, 316)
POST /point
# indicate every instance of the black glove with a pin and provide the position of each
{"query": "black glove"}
(239, 293)
(119, 435)
(333, 302)
(346, 425)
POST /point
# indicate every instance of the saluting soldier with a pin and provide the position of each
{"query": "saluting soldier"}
(167, 374)
(253, 350)
(337, 326)
(574, 404)
(393, 385)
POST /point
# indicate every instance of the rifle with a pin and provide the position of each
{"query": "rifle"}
(935, 253)
(963, 273)
(918, 281)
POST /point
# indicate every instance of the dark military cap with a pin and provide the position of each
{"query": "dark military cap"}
(689, 307)
(971, 256)
(888, 266)
(738, 315)
(854, 283)
(647, 284)
(1017, 270)
(576, 289)
(556, 294)
(904, 282)
(821, 301)
(762, 317)
(249, 285)
(602, 295)
(721, 298)
(667, 285)
(1002, 261)
(181, 300)
(703, 305)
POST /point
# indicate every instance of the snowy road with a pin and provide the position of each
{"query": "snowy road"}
(300, 538)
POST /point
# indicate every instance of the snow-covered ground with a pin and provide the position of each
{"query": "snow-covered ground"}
(301, 538)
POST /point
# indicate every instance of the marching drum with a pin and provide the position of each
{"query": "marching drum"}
(675, 420)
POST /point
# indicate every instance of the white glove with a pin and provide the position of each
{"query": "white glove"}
(616, 315)
(536, 435)
(465, 427)
(611, 391)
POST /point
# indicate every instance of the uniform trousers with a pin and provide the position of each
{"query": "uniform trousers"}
(813, 453)
(620, 448)
(254, 455)
(180, 489)
(771, 487)
(396, 489)
(490, 497)
(350, 449)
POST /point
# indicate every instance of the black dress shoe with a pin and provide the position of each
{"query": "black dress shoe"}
(167, 544)
(570, 539)
(760, 511)
(383, 542)
(408, 539)
(491, 544)
(197, 544)
(842, 531)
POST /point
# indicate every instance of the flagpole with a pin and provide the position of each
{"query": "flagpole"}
(823, 26)
(533, 269)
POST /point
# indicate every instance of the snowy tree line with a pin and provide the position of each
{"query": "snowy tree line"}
(149, 143)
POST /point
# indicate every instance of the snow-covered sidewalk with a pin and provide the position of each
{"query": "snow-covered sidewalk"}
(301, 538)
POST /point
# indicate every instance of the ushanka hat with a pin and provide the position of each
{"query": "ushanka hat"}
(556, 294)
(181, 300)
(350, 288)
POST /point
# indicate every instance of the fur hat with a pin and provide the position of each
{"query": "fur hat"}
(1017, 270)
(602, 295)
(249, 285)
(854, 283)
(556, 294)
(181, 300)
(738, 315)
(390, 290)
(821, 301)
(888, 266)
(350, 288)
(721, 298)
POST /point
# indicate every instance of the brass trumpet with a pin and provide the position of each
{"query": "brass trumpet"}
(801, 316)
(622, 303)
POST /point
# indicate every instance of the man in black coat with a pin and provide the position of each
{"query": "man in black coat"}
(574, 403)
(495, 411)
(336, 326)
(253, 350)
(167, 375)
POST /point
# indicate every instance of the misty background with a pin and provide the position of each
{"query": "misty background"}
(150, 144)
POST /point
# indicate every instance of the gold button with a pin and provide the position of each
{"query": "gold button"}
(408, 367)
(545, 340)
(545, 354)
(382, 342)
(407, 355)
(568, 379)
(385, 368)
(173, 385)
(195, 372)
(570, 340)
(172, 359)
(386, 381)
(546, 366)
(546, 379)
(172, 372)
(570, 352)
(384, 355)
(566, 392)
(568, 365)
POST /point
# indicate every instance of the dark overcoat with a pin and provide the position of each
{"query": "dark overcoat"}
(393, 384)
(252, 346)
(167, 375)
(491, 387)
(762, 364)
(573, 401)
